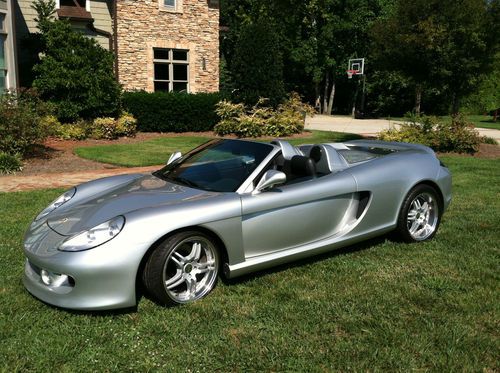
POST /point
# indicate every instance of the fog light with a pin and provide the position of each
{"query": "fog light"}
(54, 279)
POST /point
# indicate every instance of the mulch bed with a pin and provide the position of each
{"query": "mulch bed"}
(56, 156)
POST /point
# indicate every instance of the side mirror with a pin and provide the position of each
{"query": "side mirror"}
(175, 156)
(270, 179)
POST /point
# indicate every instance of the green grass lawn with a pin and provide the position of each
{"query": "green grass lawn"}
(381, 306)
(482, 121)
(157, 151)
(479, 121)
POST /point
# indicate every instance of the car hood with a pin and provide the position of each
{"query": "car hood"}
(139, 193)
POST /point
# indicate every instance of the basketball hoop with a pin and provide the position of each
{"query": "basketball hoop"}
(350, 73)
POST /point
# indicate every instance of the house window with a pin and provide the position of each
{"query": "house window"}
(174, 6)
(171, 70)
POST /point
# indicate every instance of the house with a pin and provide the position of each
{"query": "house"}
(8, 64)
(159, 45)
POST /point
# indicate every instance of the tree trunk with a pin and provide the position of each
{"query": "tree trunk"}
(455, 107)
(418, 98)
(327, 83)
(317, 103)
(330, 101)
(495, 115)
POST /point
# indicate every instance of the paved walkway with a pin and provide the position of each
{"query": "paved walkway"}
(367, 127)
(48, 181)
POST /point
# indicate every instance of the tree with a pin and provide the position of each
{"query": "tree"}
(438, 43)
(315, 37)
(257, 66)
(76, 74)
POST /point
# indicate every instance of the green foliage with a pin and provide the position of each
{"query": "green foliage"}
(172, 112)
(257, 66)
(444, 44)
(260, 120)
(10, 163)
(21, 121)
(110, 128)
(487, 96)
(489, 140)
(100, 128)
(455, 136)
(45, 10)
(79, 130)
(76, 74)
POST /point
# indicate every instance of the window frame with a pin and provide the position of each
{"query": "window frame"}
(87, 5)
(171, 62)
(177, 8)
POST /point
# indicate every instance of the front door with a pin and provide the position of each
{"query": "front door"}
(294, 215)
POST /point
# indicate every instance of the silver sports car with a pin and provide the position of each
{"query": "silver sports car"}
(231, 207)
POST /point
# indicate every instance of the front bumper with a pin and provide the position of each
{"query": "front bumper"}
(102, 278)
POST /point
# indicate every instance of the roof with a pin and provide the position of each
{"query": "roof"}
(74, 12)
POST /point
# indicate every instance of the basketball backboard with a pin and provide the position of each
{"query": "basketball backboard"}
(357, 65)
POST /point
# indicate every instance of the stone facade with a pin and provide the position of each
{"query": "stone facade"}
(143, 25)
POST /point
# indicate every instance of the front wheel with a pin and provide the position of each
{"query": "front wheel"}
(420, 214)
(182, 269)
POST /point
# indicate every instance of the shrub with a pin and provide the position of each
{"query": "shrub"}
(489, 140)
(455, 136)
(261, 120)
(172, 112)
(76, 74)
(21, 123)
(10, 163)
(257, 65)
(126, 125)
(100, 128)
(104, 128)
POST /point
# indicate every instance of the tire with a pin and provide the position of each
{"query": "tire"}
(182, 269)
(420, 214)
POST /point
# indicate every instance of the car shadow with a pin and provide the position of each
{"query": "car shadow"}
(310, 260)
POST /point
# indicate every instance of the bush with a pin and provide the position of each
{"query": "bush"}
(455, 136)
(10, 163)
(21, 121)
(110, 128)
(257, 65)
(100, 128)
(172, 112)
(76, 74)
(126, 125)
(260, 120)
(489, 140)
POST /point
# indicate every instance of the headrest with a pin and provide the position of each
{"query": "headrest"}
(302, 166)
(316, 153)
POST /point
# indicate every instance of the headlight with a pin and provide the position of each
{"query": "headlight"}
(57, 203)
(94, 237)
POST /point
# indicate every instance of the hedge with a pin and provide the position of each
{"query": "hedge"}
(172, 112)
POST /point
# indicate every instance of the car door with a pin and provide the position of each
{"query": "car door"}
(293, 215)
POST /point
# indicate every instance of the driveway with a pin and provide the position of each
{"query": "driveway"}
(367, 127)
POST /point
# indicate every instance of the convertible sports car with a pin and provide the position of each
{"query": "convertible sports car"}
(228, 206)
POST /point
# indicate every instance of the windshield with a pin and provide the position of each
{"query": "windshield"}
(218, 165)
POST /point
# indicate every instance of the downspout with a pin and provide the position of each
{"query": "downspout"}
(115, 36)
(12, 32)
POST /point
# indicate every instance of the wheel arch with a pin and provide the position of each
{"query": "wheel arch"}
(220, 244)
(434, 186)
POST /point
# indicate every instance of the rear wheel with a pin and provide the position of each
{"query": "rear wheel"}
(182, 269)
(420, 214)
